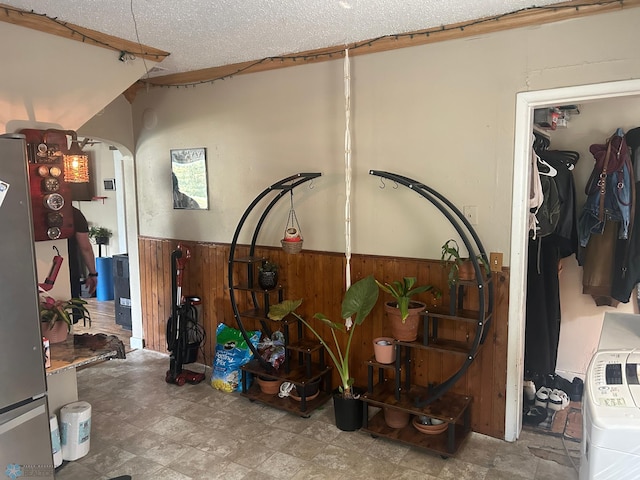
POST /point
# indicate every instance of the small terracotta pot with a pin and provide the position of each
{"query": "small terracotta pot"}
(268, 385)
(384, 350)
(396, 418)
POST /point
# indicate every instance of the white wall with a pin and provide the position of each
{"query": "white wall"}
(441, 113)
(50, 79)
(102, 212)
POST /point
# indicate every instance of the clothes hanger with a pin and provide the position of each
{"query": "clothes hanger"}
(540, 142)
(544, 168)
(565, 158)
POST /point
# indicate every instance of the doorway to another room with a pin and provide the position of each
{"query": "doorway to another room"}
(526, 103)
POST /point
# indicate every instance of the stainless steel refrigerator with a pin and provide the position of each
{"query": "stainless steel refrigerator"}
(25, 438)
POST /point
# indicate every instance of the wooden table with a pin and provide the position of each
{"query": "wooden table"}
(67, 355)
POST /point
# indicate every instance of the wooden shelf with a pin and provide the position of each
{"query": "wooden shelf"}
(305, 346)
(449, 408)
(439, 344)
(460, 315)
(287, 404)
(249, 260)
(409, 435)
(297, 374)
(246, 288)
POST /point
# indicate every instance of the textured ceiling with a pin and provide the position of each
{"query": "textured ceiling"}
(201, 34)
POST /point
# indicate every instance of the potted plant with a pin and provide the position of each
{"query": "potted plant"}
(404, 313)
(56, 316)
(100, 235)
(459, 268)
(358, 301)
(267, 275)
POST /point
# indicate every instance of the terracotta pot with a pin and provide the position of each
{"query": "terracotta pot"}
(466, 271)
(57, 334)
(396, 418)
(268, 385)
(384, 350)
(406, 331)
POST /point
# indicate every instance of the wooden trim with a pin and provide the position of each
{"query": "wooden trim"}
(43, 23)
(523, 18)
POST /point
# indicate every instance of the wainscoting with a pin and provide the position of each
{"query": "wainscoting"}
(318, 278)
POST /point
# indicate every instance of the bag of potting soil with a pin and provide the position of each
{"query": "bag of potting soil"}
(232, 352)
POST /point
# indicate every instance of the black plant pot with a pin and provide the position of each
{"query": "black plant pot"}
(267, 280)
(348, 411)
(309, 389)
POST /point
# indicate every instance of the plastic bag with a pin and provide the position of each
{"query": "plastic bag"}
(232, 352)
(272, 349)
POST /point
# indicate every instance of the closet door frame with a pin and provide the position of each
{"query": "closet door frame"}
(526, 102)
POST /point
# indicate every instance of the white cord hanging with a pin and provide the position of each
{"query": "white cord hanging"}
(292, 238)
(347, 173)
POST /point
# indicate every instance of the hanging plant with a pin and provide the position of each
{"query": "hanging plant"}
(292, 238)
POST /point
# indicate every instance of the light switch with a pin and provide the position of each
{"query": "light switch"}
(495, 261)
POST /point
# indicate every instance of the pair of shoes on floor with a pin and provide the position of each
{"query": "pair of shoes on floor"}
(554, 399)
(534, 415)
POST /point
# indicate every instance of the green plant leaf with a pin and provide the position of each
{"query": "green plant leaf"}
(326, 321)
(360, 299)
(284, 308)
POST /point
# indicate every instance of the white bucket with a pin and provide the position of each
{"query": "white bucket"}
(56, 448)
(75, 428)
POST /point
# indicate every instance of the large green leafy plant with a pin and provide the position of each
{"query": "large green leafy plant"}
(403, 290)
(359, 300)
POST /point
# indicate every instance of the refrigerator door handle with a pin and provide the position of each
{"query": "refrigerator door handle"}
(24, 418)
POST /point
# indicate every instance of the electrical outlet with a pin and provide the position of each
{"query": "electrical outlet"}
(495, 261)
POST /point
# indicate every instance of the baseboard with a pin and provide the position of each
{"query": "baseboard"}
(136, 343)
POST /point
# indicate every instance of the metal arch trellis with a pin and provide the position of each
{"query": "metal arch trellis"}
(458, 221)
(280, 188)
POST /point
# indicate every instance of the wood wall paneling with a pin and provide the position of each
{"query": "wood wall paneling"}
(318, 278)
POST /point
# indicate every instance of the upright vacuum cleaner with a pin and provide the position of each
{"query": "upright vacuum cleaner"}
(184, 334)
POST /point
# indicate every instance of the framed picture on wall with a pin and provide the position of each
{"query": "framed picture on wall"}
(189, 176)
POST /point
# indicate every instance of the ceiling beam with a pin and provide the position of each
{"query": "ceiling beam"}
(53, 26)
(519, 19)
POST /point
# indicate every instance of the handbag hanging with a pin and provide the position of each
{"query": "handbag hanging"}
(610, 160)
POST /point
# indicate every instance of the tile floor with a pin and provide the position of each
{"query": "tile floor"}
(146, 428)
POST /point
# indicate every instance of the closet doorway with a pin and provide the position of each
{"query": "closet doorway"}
(525, 104)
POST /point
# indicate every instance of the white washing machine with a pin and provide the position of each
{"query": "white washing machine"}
(611, 416)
